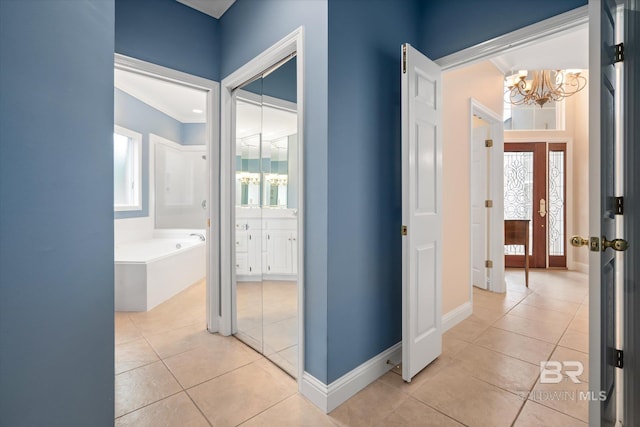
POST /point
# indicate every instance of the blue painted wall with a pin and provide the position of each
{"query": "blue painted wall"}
(170, 34)
(449, 26)
(56, 213)
(364, 245)
(247, 29)
(281, 83)
(193, 134)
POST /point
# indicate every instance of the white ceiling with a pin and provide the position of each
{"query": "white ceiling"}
(215, 8)
(173, 99)
(567, 50)
(273, 123)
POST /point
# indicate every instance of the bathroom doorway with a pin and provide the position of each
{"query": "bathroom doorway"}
(165, 194)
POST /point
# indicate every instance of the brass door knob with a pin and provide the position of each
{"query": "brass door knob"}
(615, 244)
(578, 241)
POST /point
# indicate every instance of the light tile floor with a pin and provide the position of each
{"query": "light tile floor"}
(171, 372)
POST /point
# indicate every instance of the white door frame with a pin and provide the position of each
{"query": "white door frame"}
(212, 90)
(292, 43)
(496, 182)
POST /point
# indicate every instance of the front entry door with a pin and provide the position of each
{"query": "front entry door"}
(535, 184)
(525, 197)
(421, 211)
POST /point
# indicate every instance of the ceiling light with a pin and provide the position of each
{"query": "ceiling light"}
(197, 111)
(543, 86)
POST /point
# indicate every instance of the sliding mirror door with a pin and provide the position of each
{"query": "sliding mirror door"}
(266, 215)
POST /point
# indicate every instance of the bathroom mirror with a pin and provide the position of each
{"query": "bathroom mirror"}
(266, 315)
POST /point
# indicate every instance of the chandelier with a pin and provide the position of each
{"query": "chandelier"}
(542, 86)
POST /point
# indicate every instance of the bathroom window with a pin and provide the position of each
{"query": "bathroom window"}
(127, 165)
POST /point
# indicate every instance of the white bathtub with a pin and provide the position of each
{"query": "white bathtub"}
(148, 272)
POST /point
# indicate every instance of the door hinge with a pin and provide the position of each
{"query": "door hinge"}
(619, 358)
(488, 203)
(618, 205)
(403, 230)
(208, 222)
(404, 59)
(488, 143)
(619, 53)
(488, 264)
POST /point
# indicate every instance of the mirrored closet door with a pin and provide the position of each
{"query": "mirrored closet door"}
(266, 249)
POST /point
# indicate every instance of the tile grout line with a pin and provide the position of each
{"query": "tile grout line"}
(435, 409)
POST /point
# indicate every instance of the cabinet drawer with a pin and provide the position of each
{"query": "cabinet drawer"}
(242, 238)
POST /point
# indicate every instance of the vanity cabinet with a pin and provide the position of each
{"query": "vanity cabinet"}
(248, 246)
(267, 247)
(279, 247)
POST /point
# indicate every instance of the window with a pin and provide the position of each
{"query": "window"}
(550, 116)
(127, 165)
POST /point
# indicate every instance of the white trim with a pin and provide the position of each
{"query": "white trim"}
(327, 398)
(496, 184)
(457, 315)
(516, 39)
(212, 90)
(595, 268)
(294, 42)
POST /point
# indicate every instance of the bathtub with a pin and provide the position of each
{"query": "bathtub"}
(148, 272)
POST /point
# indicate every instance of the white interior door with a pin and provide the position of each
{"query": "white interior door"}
(605, 223)
(421, 211)
(479, 195)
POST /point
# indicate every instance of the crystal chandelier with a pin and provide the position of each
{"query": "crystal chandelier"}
(542, 86)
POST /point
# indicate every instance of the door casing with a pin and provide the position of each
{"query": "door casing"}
(212, 90)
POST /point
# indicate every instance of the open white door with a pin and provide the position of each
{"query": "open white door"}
(479, 195)
(421, 211)
(606, 277)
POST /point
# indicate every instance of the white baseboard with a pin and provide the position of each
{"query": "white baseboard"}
(457, 315)
(329, 397)
(579, 266)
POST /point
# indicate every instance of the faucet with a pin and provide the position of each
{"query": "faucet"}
(201, 236)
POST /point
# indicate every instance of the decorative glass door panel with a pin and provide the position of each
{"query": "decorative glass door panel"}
(533, 192)
(518, 193)
(556, 210)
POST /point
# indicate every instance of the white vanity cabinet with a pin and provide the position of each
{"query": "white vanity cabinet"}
(279, 237)
(266, 244)
(248, 248)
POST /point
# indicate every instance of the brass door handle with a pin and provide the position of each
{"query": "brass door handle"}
(578, 241)
(543, 208)
(620, 245)
(597, 244)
